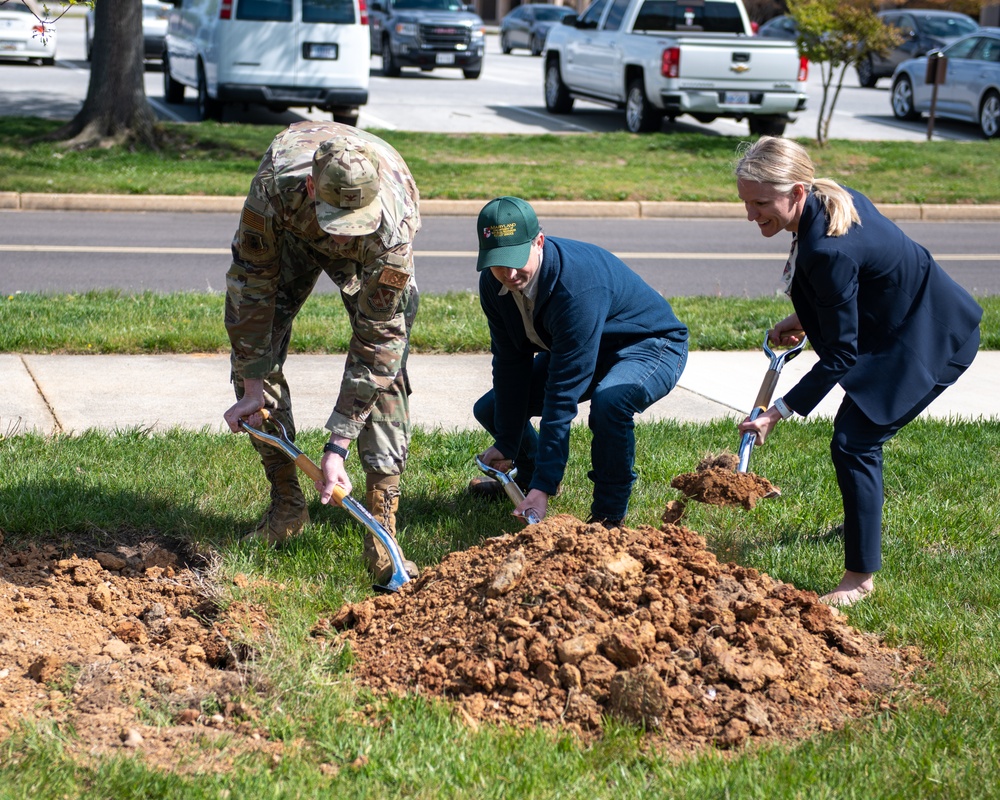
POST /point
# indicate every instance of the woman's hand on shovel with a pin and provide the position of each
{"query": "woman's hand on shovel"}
(761, 426)
(537, 501)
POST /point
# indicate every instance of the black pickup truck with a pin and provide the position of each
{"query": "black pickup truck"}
(427, 34)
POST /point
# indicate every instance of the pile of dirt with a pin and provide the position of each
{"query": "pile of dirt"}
(566, 622)
(87, 643)
(716, 482)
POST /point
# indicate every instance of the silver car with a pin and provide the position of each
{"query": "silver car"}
(971, 89)
(154, 29)
(24, 37)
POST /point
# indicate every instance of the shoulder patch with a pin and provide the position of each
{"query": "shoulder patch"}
(396, 278)
(253, 220)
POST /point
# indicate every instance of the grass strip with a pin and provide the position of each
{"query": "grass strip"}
(112, 322)
(210, 158)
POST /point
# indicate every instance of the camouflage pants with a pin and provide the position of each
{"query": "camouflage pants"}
(385, 439)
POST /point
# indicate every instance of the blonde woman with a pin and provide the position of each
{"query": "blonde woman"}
(888, 324)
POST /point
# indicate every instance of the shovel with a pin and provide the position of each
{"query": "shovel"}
(506, 479)
(340, 497)
(764, 397)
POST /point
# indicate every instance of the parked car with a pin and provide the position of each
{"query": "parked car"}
(23, 37)
(527, 26)
(971, 88)
(780, 27)
(154, 29)
(279, 53)
(922, 30)
(427, 34)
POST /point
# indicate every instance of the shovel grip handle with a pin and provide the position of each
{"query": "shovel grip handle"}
(767, 389)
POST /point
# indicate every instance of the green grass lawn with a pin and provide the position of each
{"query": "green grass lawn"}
(939, 591)
(209, 158)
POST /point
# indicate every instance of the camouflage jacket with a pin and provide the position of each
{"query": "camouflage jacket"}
(279, 239)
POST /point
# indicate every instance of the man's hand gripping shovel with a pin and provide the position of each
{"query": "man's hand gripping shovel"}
(506, 479)
(764, 398)
(281, 441)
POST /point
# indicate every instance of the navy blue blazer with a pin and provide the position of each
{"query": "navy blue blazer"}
(881, 314)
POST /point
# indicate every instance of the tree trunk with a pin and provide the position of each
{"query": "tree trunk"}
(116, 110)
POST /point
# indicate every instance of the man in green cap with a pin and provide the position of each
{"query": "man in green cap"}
(328, 198)
(568, 322)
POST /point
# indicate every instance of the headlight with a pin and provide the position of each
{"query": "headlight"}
(406, 29)
(478, 33)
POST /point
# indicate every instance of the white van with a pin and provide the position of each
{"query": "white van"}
(280, 53)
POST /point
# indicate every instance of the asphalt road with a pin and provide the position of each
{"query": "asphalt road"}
(55, 251)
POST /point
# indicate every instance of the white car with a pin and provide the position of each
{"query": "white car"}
(154, 28)
(24, 37)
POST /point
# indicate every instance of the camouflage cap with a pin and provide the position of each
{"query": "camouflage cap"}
(346, 177)
(507, 227)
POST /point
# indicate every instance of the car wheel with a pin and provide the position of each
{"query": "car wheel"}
(49, 62)
(641, 116)
(173, 92)
(989, 115)
(390, 67)
(472, 74)
(766, 126)
(866, 72)
(902, 99)
(208, 108)
(505, 44)
(347, 116)
(536, 46)
(557, 97)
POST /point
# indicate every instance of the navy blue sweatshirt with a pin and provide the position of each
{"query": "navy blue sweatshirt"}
(589, 303)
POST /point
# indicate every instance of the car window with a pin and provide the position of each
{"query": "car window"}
(614, 19)
(668, 15)
(962, 49)
(989, 50)
(593, 14)
(265, 10)
(549, 14)
(341, 11)
(428, 5)
(944, 27)
(906, 24)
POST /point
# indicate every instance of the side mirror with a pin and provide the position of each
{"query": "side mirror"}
(570, 20)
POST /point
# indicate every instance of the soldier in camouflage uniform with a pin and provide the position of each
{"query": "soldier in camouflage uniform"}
(328, 198)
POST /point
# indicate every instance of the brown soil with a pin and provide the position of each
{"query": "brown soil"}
(716, 483)
(565, 623)
(87, 643)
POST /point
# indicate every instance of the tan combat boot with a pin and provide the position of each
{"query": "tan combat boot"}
(287, 515)
(382, 496)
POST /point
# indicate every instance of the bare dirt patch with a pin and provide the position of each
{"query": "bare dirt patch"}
(716, 482)
(125, 648)
(565, 623)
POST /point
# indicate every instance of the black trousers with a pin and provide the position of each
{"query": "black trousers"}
(856, 450)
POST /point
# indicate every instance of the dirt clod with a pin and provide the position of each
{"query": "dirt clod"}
(642, 624)
(716, 482)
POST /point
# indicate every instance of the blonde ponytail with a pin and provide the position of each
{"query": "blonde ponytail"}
(782, 163)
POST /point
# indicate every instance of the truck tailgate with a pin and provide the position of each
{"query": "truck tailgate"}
(744, 61)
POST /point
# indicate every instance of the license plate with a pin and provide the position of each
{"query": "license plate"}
(737, 98)
(10, 45)
(444, 58)
(322, 51)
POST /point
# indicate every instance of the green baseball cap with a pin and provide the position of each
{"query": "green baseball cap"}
(507, 227)
(346, 177)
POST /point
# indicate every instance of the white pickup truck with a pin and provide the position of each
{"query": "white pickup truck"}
(665, 58)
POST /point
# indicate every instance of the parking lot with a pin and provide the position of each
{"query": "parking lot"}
(506, 99)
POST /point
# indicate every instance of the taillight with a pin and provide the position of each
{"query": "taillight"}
(671, 67)
(38, 30)
(226, 9)
(363, 9)
(803, 68)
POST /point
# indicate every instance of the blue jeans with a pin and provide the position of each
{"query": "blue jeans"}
(626, 382)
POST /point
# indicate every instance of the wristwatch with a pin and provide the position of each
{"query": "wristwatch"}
(330, 447)
(783, 408)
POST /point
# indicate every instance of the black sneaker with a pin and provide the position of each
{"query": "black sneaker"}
(607, 524)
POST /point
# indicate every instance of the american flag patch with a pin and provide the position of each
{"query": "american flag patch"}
(253, 220)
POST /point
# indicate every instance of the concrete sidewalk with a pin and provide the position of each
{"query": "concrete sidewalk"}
(66, 394)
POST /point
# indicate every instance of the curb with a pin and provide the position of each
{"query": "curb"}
(627, 209)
